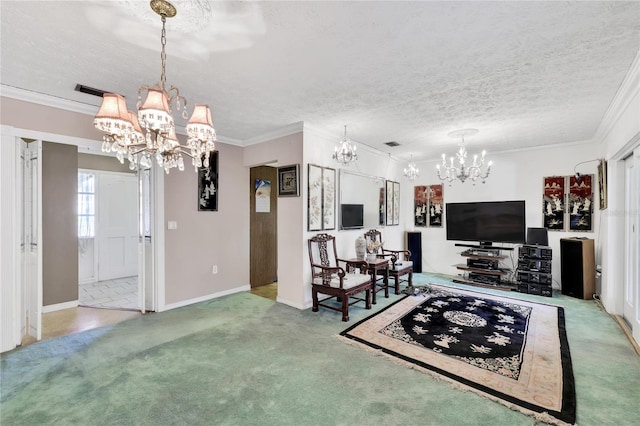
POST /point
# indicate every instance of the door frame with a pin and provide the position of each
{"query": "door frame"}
(11, 285)
(617, 250)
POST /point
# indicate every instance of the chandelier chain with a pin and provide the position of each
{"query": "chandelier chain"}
(151, 132)
(163, 54)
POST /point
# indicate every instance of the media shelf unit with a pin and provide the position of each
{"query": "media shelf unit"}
(534, 270)
(482, 267)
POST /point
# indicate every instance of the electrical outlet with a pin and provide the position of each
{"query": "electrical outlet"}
(214, 270)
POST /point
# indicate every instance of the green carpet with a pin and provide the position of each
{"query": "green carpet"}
(246, 360)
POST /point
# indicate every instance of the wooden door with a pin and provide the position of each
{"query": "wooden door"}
(263, 250)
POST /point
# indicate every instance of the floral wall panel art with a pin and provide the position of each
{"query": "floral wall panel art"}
(580, 202)
(396, 203)
(389, 201)
(553, 203)
(434, 209)
(420, 205)
(328, 198)
(314, 206)
(321, 205)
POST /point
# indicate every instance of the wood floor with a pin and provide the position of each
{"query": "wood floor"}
(270, 291)
(74, 320)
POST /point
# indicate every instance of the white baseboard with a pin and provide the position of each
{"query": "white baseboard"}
(205, 298)
(60, 306)
(294, 304)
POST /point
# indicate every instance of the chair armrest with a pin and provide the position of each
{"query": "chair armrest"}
(326, 273)
(360, 264)
(396, 255)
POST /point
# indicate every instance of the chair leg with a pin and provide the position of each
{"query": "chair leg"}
(397, 283)
(345, 308)
(314, 294)
(368, 296)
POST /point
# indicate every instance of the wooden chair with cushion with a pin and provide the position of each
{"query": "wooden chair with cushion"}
(328, 278)
(400, 267)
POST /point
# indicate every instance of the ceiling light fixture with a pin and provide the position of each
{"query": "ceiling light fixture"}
(151, 132)
(345, 151)
(461, 171)
(411, 171)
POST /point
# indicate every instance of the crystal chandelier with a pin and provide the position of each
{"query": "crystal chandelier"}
(411, 171)
(345, 151)
(151, 132)
(460, 170)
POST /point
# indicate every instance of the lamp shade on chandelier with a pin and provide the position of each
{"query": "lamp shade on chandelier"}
(451, 170)
(345, 150)
(151, 132)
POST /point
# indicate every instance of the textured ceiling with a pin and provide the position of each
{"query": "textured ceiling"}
(523, 73)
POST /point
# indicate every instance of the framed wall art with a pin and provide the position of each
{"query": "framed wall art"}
(208, 185)
(602, 183)
(434, 207)
(553, 203)
(392, 190)
(420, 205)
(328, 198)
(321, 203)
(580, 203)
(288, 181)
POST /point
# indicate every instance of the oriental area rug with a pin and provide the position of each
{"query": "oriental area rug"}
(512, 351)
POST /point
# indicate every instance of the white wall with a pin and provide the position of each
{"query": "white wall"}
(318, 149)
(516, 175)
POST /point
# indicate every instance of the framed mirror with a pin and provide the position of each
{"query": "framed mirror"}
(362, 200)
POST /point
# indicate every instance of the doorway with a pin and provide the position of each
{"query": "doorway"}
(107, 239)
(263, 233)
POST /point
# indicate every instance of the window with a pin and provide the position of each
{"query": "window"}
(86, 204)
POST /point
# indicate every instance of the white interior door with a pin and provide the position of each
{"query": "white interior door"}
(32, 236)
(117, 225)
(146, 295)
(632, 254)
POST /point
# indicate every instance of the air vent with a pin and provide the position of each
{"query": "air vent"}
(392, 143)
(90, 90)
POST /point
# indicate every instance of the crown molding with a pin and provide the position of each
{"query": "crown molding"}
(47, 100)
(361, 145)
(287, 130)
(628, 89)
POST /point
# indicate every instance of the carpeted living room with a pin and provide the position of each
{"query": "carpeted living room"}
(247, 360)
(407, 213)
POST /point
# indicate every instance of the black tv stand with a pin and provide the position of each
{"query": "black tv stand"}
(482, 267)
(484, 246)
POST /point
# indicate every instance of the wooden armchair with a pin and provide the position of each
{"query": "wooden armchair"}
(399, 264)
(328, 278)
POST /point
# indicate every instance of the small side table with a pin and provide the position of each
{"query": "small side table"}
(375, 267)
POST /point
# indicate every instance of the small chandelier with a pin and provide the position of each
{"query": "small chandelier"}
(462, 171)
(151, 132)
(411, 171)
(345, 151)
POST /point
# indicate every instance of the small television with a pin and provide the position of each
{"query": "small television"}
(486, 222)
(351, 216)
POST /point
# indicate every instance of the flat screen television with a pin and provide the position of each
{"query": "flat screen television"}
(486, 222)
(351, 216)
